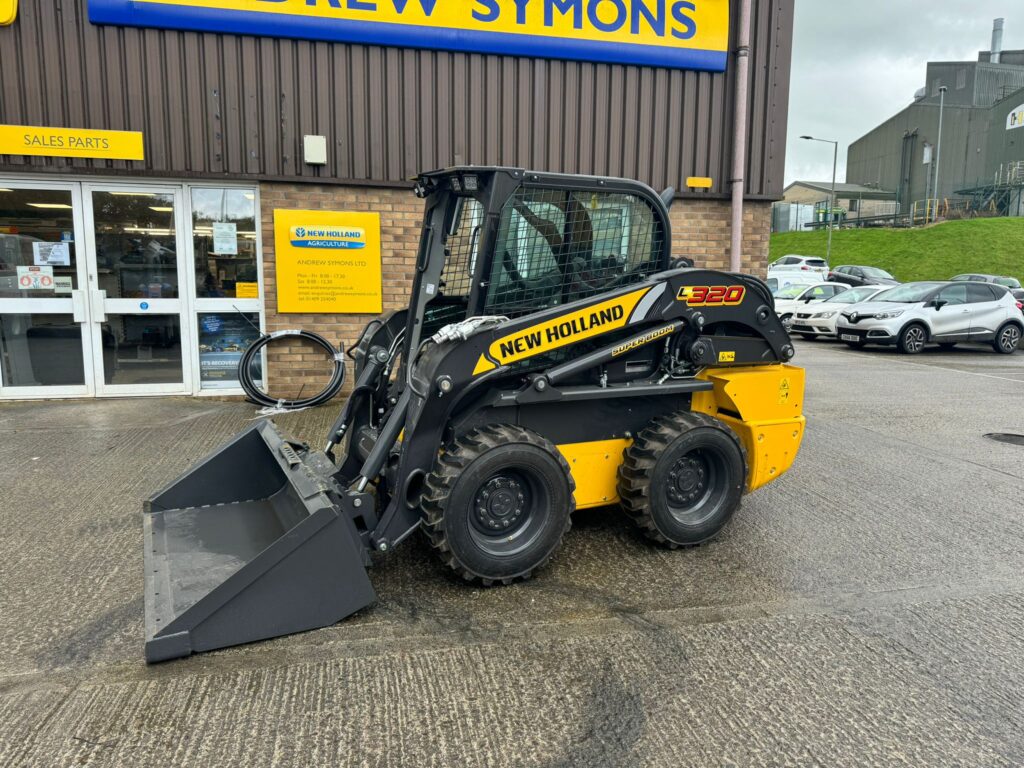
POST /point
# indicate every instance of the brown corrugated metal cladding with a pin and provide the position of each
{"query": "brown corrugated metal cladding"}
(236, 106)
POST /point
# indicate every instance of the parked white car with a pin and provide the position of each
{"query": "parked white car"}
(805, 268)
(796, 297)
(913, 315)
(821, 320)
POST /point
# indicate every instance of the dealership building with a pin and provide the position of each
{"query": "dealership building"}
(160, 162)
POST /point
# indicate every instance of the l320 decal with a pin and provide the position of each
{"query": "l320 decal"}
(712, 295)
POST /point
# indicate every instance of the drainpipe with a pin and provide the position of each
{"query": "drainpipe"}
(739, 137)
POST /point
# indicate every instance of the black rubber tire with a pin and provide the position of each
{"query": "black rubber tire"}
(667, 443)
(809, 336)
(1004, 344)
(945, 346)
(912, 339)
(519, 462)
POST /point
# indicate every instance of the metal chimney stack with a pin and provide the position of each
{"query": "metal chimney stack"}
(997, 41)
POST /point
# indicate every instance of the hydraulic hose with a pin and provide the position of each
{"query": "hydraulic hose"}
(258, 396)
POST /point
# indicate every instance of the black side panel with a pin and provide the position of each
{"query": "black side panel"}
(581, 422)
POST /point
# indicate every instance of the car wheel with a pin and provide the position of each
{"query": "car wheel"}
(809, 336)
(1007, 339)
(912, 339)
(947, 345)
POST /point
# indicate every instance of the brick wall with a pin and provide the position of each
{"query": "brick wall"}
(700, 230)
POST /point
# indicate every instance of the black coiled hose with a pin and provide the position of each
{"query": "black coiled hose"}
(258, 396)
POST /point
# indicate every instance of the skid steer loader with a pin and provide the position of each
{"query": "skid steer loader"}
(553, 357)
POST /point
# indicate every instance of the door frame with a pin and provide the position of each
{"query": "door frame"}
(99, 306)
(75, 305)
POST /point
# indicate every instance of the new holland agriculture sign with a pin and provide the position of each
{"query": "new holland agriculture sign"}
(683, 34)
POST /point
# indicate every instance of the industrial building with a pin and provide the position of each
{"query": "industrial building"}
(806, 204)
(149, 158)
(980, 162)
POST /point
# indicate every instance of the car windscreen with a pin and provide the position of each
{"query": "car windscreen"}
(1007, 282)
(791, 291)
(908, 294)
(816, 263)
(852, 296)
(877, 273)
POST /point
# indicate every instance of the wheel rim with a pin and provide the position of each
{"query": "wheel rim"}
(914, 339)
(694, 484)
(508, 512)
(1010, 338)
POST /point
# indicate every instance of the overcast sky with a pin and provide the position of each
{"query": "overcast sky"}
(857, 64)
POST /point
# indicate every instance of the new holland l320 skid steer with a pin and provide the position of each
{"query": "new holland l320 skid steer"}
(553, 357)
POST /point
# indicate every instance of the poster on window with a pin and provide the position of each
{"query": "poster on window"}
(223, 337)
(51, 254)
(225, 238)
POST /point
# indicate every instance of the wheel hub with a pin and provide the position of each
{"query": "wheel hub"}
(500, 505)
(687, 480)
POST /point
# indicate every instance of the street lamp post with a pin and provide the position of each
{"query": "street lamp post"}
(938, 151)
(832, 196)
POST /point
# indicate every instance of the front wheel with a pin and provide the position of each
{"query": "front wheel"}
(1007, 339)
(497, 503)
(683, 478)
(912, 339)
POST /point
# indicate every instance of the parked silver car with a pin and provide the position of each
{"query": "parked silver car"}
(915, 314)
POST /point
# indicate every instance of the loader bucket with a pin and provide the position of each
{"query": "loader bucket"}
(248, 545)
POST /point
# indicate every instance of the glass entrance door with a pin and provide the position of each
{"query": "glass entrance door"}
(138, 279)
(45, 344)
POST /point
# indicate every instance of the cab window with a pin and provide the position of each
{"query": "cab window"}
(558, 246)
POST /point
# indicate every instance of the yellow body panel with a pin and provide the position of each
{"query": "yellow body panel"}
(595, 467)
(764, 405)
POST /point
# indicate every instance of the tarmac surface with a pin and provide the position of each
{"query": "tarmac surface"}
(865, 609)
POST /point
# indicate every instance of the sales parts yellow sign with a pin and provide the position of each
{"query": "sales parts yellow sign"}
(8, 11)
(70, 142)
(328, 262)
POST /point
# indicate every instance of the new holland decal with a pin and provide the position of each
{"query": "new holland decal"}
(558, 332)
(712, 295)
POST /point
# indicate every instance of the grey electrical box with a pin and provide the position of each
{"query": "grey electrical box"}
(314, 150)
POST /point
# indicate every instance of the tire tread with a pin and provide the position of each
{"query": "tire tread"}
(440, 483)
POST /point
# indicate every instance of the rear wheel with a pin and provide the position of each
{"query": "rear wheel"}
(1007, 339)
(497, 503)
(912, 339)
(683, 478)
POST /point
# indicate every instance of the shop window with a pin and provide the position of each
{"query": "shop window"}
(40, 350)
(136, 245)
(223, 338)
(224, 242)
(38, 255)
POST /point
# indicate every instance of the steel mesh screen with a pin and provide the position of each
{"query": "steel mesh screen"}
(558, 246)
(461, 245)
